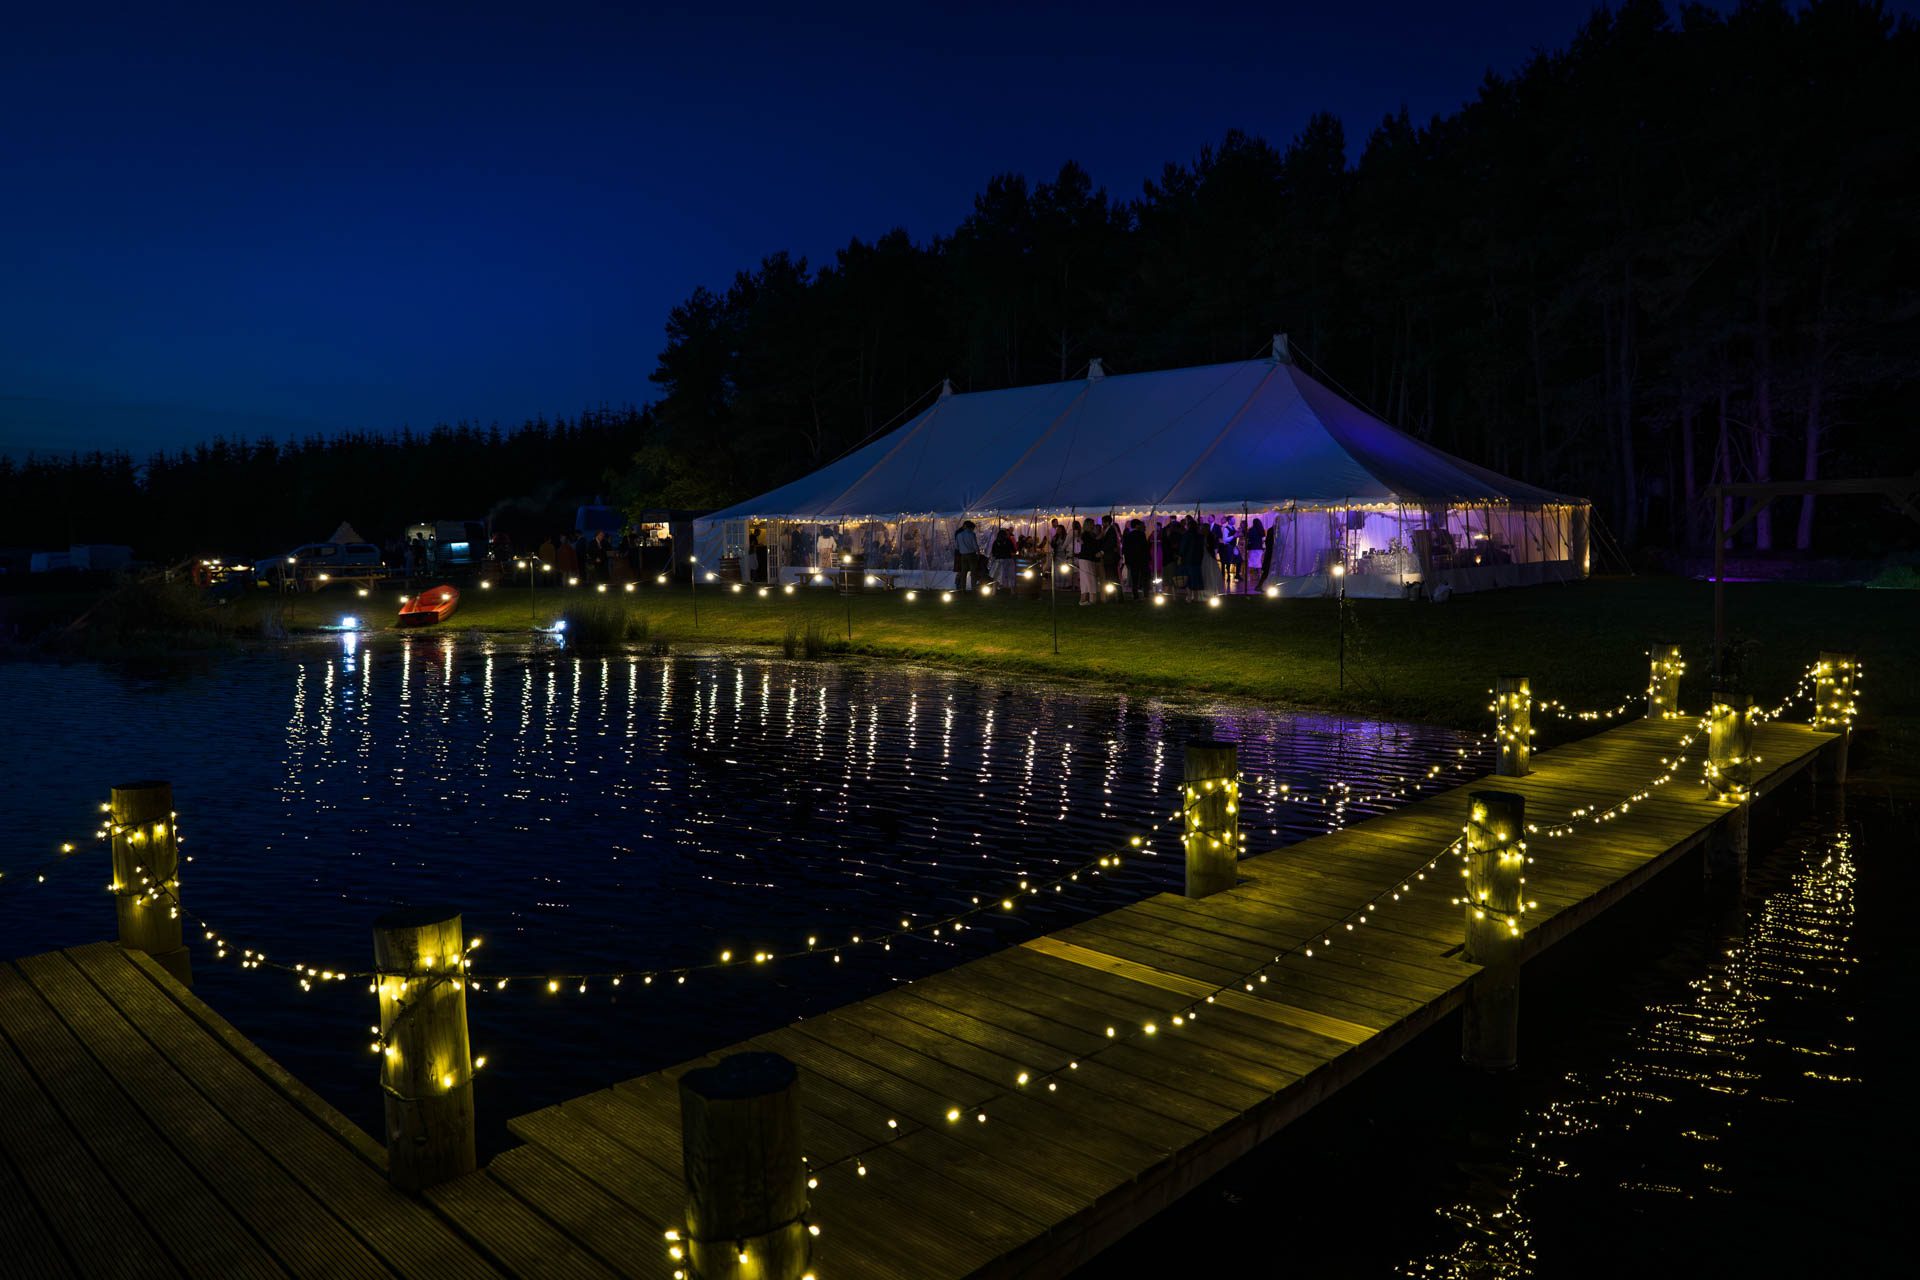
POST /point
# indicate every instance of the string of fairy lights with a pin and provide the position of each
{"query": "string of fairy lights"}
(1064, 1069)
(1045, 1077)
(1188, 1012)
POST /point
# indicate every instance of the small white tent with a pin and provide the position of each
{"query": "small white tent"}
(1230, 443)
(346, 533)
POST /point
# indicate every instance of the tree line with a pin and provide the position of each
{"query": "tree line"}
(1678, 250)
(240, 498)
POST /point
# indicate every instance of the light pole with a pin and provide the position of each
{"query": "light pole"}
(531, 565)
(1053, 593)
(1340, 605)
(693, 582)
(846, 589)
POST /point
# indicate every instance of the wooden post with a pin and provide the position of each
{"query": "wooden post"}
(1833, 694)
(1730, 746)
(1211, 803)
(426, 1066)
(746, 1181)
(1496, 868)
(1663, 682)
(1513, 726)
(146, 874)
(1730, 761)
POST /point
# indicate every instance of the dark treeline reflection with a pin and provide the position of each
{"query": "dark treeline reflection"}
(1677, 250)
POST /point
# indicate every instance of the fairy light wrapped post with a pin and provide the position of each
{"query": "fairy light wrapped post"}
(1730, 762)
(1663, 684)
(146, 874)
(746, 1181)
(426, 1065)
(1211, 803)
(1513, 726)
(1496, 869)
(1833, 693)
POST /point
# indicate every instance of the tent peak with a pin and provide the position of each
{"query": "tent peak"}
(946, 388)
(1095, 369)
(1281, 351)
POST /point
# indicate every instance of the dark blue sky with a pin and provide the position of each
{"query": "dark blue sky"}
(267, 217)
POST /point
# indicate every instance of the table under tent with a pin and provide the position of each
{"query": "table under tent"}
(1256, 442)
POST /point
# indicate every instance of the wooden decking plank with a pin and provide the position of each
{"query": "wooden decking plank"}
(824, 1139)
(405, 1234)
(575, 1205)
(26, 1238)
(283, 1080)
(991, 1171)
(523, 1242)
(194, 1227)
(1130, 953)
(1093, 997)
(598, 1156)
(94, 1225)
(925, 1092)
(1194, 1085)
(1224, 1042)
(300, 1231)
(938, 1212)
(1258, 1003)
(1111, 1095)
(1004, 1025)
(1254, 923)
(917, 1107)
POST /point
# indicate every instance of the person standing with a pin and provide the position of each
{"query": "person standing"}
(757, 548)
(1256, 546)
(1210, 558)
(966, 552)
(1133, 547)
(1110, 555)
(599, 551)
(1086, 559)
(1266, 556)
(1003, 554)
(1193, 549)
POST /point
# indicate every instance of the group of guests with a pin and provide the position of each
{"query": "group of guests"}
(1190, 558)
(604, 558)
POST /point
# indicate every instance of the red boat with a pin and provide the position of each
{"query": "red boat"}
(430, 606)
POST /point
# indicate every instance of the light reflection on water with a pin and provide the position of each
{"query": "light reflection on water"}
(599, 811)
(1688, 1080)
(1706, 1087)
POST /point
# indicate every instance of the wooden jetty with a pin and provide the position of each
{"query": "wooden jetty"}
(141, 1135)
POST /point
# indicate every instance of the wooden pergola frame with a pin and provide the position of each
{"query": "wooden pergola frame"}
(1902, 491)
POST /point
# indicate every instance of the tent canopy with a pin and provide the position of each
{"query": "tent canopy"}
(1256, 433)
(346, 533)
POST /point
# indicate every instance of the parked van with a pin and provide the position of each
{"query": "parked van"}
(453, 543)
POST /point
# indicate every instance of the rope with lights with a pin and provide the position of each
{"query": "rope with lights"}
(1050, 1078)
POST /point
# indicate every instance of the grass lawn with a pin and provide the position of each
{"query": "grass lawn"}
(1584, 643)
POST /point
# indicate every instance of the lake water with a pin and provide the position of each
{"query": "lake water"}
(1708, 1085)
(594, 813)
(1705, 1086)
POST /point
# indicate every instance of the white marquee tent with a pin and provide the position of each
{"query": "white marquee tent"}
(1230, 443)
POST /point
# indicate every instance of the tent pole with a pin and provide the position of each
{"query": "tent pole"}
(1053, 594)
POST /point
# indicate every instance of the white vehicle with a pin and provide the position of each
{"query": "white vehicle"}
(307, 563)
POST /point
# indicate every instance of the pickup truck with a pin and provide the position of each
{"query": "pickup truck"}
(308, 562)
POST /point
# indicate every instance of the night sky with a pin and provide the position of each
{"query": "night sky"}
(277, 218)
